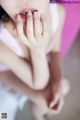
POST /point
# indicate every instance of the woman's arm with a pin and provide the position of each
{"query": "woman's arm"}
(22, 69)
(56, 67)
(56, 59)
(41, 70)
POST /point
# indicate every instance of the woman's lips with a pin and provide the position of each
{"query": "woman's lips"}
(26, 9)
(24, 12)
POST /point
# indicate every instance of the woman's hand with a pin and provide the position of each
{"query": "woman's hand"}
(35, 33)
(52, 97)
(50, 101)
(36, 39)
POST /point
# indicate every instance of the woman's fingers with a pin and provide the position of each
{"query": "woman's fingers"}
(55, 99)
(44, 26)
(34, 34)
(19, 26)
(60, 104)
(29, 27)
(20, 31)
(58, 108)
(37, 26)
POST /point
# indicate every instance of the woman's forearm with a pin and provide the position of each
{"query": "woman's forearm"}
(40, 70)
(56, 67)
(22, 69)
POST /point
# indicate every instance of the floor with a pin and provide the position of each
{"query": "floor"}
(71, 109)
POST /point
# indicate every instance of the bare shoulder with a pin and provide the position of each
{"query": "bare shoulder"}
(5, 52)
(2, 45)
(62, 14)
(2, 53)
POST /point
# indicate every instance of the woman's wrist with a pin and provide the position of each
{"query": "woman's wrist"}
(40, 69)
(37, 54)
(36, 58)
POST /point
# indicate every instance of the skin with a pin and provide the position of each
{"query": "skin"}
(12, 14)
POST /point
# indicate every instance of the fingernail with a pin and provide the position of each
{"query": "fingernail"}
(29, 13)
(33, 11)
(36, 14)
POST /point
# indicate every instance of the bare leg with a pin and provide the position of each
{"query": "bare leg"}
(37, 113)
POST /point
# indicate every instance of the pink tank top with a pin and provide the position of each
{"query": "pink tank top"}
(10, 41)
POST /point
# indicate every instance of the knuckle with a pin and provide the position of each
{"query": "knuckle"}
(45, 34)
(21, 36)
(37, 31)
(45, 26)
(37, 34)
(43, 16)
(28, 31)
(29, 35)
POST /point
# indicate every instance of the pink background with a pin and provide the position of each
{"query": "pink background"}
(71, 27)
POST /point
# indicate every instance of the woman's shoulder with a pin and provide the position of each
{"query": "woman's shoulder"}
(3, 48)
(2, 45)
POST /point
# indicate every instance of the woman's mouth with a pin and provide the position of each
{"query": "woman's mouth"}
(24, 12)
